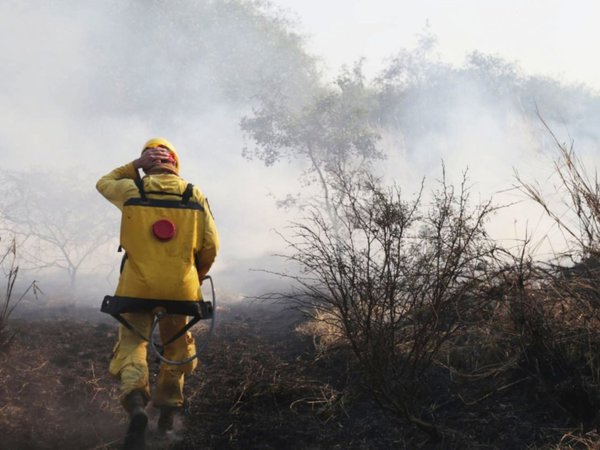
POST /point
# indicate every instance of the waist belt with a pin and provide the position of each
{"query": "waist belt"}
(197, 310)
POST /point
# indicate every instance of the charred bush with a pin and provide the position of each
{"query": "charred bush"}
(397, 279)
(560, 327)
(556, 338)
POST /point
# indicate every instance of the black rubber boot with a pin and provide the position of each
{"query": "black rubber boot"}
(138, 420)
(166, 418)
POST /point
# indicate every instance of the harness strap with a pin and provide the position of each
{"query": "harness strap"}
(187, 194)
(123, 260)
(130, 327)
(174, 194)
(116, 305)
(140, 185)
(181, 332)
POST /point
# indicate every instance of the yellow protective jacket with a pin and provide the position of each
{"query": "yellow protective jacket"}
(168, 269)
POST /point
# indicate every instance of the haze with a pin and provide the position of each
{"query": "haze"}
(553, 38)
(84, 85)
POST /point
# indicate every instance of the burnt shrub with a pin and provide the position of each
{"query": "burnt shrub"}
(398, 279)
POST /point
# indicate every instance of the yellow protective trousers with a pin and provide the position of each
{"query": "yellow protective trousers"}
(129, 361)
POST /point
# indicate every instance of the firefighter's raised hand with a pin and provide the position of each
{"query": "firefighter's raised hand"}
(150, 157)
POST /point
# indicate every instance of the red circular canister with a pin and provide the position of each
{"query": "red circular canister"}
(163, 229)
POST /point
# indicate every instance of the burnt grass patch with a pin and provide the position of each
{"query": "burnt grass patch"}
(262, 384)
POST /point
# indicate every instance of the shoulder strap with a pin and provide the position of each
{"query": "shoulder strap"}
(145, 201)
(187, 194)
(140, 185)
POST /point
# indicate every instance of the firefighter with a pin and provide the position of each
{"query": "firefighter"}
(168, 250)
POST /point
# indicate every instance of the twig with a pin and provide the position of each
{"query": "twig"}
(489, 394)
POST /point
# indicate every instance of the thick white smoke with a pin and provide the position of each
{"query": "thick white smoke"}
(86, 84)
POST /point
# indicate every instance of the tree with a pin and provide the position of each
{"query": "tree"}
(59, 225)
(332, 132)
(419, 97)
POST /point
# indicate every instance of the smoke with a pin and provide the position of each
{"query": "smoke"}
(485, 117)
(86, 84)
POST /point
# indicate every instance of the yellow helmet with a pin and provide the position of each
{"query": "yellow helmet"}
(162, 142)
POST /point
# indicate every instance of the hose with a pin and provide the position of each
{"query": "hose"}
(158, 318)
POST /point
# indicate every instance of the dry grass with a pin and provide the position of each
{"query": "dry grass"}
(8, 303)
(261, 385)
(325, 331)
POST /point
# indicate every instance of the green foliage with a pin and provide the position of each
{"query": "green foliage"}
(330, 133)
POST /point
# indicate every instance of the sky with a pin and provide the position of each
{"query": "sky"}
(556, 38)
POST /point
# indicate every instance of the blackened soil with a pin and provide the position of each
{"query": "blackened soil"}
(260, 385)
